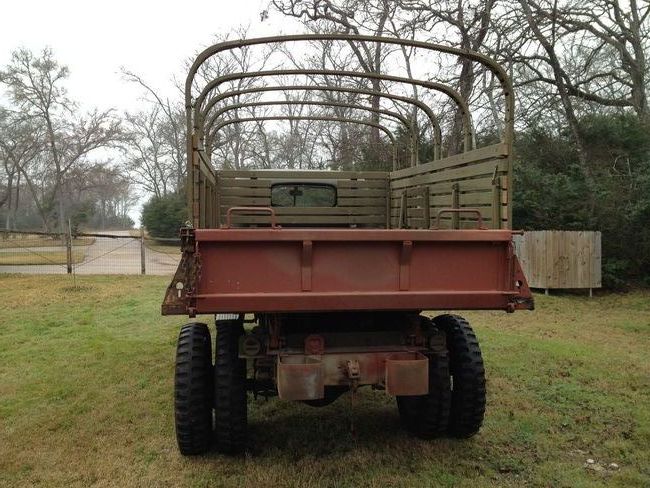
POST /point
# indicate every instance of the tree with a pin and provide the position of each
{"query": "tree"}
(597, 51)
(35, 86)
(20, 145)
(463, 23)
(149, 156)
(163, 126)
(356, 17)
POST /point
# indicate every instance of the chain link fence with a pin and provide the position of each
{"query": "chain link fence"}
(109, 252)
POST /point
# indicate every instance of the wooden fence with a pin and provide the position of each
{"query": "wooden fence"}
(560, 259)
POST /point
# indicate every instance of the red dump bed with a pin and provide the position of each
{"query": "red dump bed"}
(290, 270)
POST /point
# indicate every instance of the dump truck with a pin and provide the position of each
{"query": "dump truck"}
(323, 282)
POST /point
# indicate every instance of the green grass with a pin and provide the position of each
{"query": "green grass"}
(164, 247)
(86, 399)
(40, 257)
(20, 241)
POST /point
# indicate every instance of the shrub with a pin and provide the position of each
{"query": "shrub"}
(164, 216)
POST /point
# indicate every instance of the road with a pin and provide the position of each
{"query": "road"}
(120, 255)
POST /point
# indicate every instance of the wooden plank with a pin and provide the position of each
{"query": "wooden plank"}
(596, 261)
(416, 223)
(496, 202)
(326, 210)
(447, 223)
(244, 183)
(361, 184)
(426, 206)
(495, 151)
(360, 201)
(466, 199)
(584, 251)
(475, 184)
(475, 170)
(202, 201)
(403, 211)
(455, 203)
(537, 258)
(245, 201)
(379, 220)
(206, 170)
(361, 192)
(444, 188)
(486, 213)
(266, 182)
(305, 174)
(253, 192)
(236, 196)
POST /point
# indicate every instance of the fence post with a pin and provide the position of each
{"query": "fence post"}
(142, 254)
(68, 248)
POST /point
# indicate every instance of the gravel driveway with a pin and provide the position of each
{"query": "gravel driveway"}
(105, 256)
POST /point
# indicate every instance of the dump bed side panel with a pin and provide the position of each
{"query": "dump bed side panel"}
(478, 179)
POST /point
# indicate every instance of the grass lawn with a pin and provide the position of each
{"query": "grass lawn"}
(86, 399)
(40, 257)
(39, 241)
(164, 247)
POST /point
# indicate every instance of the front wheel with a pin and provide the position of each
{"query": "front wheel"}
(467, 375)
(193, 389)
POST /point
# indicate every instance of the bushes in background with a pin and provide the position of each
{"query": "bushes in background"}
(164, 216)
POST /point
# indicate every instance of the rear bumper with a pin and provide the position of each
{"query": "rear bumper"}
(306, 270)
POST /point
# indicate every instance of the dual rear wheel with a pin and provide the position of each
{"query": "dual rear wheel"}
(210, 400)
(455, 405)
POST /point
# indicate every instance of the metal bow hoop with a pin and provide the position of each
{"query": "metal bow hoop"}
(316, 117)
(453, 94)
(402, 119)
(193, 107)
(435, 126)
(496, 69)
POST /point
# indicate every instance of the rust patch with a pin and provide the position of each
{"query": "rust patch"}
(300, 378)
(407, 373)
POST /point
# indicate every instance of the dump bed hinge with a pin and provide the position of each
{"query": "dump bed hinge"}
(179, 297)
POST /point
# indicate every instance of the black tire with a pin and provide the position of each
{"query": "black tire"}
(427, 416)
(193, 389)
(230, 399)
(467, 375)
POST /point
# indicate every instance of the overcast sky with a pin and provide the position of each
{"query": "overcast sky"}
(149, 37)
(152, 38)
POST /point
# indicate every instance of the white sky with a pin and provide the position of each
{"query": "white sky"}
(152, 38)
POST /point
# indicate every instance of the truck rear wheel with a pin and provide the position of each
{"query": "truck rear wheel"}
(193, 389)
(467, 375)
(230, 399)
(427, 416)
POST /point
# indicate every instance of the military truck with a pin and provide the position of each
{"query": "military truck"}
(323, 282)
